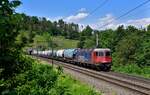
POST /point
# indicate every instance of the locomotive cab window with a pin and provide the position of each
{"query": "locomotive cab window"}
(96, 53)
(99, 53)
(107, 53)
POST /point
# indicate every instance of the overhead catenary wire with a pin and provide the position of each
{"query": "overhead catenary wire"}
(94, 10)
(97, 8)
(128, 12)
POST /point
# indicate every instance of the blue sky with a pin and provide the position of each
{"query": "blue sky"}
(78, 11)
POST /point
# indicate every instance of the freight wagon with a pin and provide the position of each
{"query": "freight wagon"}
(98, 58)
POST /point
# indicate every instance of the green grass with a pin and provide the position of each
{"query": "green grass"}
(63, 43)
(133, 69)
(72, 87)
(42, 79)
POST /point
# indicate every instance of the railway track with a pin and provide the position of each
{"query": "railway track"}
(134, 83)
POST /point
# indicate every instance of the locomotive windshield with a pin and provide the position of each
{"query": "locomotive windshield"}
(107, 53)
(99, 53)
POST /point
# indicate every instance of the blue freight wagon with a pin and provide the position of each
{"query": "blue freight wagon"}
(70, 53)
(84, 55)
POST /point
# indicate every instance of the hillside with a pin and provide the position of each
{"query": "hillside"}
(63, 43)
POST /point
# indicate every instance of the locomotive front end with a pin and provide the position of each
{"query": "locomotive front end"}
(102, 58)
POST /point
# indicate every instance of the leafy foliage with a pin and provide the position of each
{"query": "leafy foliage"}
(38, 26)
(9, 29)
(87, 31)
(44, 80)
(133, 69)
(85, 35)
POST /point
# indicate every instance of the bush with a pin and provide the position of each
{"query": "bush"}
(133, 69)
(37, 80)
(15, 66)
(42, 79)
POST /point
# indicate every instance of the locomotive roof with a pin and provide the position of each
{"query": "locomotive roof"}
(101, 49)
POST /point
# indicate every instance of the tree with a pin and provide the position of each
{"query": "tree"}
(106, 39)
(81, 42)
(126, 48)
(85, 34)
(90, 43)
(148, 28)
(142, 53)
(9, 27)
(87, 31)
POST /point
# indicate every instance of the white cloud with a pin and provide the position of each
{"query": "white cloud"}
(103, 21)
(108, 18)
(139, 22)
(81, 14)
(113, 24)
(54, 18)
(76, 18)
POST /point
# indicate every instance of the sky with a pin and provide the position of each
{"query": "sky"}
(82, 12)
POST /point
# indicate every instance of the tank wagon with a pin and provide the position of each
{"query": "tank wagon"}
(99, 58)
(60, 53)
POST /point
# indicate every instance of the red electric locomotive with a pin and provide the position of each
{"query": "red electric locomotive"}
(99, 58)
(102, 58)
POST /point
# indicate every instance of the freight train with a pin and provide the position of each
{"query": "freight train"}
(98, 58)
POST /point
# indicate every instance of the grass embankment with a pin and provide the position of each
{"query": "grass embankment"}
(133, 69)
(42, 79)
(63, 43)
